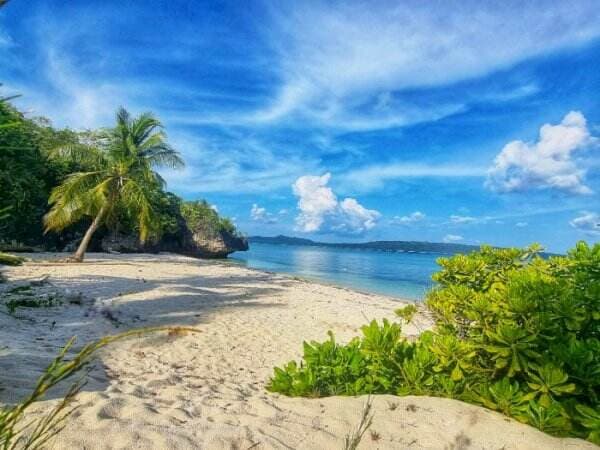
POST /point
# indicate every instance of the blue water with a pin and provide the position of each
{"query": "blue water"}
(402, 275)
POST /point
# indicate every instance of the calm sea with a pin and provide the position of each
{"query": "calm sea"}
(402, 275)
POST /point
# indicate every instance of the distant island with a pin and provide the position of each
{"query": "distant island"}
(386, 246)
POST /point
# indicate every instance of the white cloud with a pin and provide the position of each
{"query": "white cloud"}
(463, 219)
(320, 209)
(521, 224)
(373, 177)
(341, 63)
(547, 164)
(588, 222)
(260, 214)
(242, 164)
(449, 238)
(316, 201)
(411, 219)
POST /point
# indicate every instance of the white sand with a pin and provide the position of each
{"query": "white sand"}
(207, 390)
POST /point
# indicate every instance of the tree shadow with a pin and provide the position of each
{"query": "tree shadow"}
(120, 304)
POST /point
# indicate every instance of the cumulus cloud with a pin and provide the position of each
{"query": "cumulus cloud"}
(521, 224)
(320, 209)
(548, 163)
(410, 219)
(260, 214)
(449, 238)
(588, 222)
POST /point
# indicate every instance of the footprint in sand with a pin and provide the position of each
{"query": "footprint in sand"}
(112, 409)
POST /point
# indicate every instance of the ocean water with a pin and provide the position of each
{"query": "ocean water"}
(397, 274)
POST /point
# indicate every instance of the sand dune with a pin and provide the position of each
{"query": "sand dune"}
(206, 390)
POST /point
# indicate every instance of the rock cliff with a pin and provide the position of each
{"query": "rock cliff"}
(201, 243)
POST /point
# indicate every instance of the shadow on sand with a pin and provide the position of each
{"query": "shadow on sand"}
(29, 344)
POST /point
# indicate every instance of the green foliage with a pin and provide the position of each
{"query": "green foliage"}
(41, 302)
(7, 259)
(513, 332)
(407, 313)
(121, 175)
(81, 171)
(24, 178)
(200, 216)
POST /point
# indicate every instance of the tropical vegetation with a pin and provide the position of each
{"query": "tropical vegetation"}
(119, 176)
(99, 182)
(514, 332)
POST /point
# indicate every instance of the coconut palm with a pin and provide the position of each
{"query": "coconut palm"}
(119, 175)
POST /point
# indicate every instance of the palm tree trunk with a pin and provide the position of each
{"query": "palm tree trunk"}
(83, 245)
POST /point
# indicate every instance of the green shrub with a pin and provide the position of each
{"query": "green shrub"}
(200, 216)
(10, 260)
(514, 332)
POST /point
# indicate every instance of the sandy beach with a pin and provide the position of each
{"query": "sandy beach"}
(207, 390)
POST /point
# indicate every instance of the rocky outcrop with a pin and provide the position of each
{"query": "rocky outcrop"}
(214, 245)
(199, 243)
(124, 244)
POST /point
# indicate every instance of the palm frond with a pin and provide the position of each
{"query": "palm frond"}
(123, 119)
(143, 126)
(78, 196)
(136, 197)
(163, 155)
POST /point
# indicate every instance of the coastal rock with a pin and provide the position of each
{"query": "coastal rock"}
(214, 245)
(122, 244)
(199, 243)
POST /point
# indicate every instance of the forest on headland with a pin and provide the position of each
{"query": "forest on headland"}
(37, 158)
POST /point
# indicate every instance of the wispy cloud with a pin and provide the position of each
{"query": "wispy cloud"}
(260, 214)
(463, 219)
(337, 60)
(235, 164)
(450, 238)
(374, 176)
(411, 219)
(588, 222)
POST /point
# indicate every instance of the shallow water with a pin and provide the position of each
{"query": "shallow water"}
(402, 275)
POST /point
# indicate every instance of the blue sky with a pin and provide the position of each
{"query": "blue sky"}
(341, 121)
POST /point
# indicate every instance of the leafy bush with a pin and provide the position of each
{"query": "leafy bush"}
(514, 332)
(200, 216)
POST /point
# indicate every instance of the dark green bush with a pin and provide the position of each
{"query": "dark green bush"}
(201, 216)
(513, 332)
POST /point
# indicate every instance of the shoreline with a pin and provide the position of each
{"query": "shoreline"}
(207, 390)
(325, 283)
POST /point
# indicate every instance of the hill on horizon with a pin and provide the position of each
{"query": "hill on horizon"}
(401, 246)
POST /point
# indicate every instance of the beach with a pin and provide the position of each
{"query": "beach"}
(207, 389)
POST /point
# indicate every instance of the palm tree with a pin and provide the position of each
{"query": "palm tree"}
(120, 174)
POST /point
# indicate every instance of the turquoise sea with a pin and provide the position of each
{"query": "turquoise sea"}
(401, 275)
